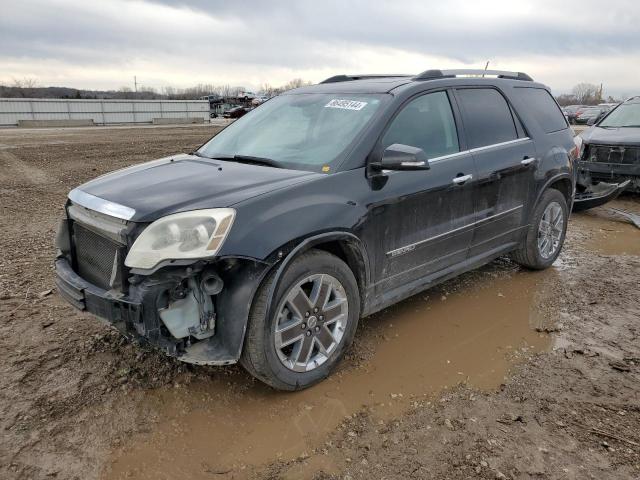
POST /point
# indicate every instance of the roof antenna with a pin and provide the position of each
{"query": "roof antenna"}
(485, 67)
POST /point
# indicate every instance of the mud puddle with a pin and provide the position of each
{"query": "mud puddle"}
(223, 427)
(611, 234)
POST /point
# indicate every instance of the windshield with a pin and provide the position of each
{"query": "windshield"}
(626, 115)
(303, 132)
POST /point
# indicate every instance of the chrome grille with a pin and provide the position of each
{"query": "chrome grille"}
(613, 154)
(96, 256)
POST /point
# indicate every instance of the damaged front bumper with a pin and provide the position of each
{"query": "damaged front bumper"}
(598, 194)
(151, 313)
(590, 172)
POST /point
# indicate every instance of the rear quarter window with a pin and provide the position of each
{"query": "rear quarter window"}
(544, 108)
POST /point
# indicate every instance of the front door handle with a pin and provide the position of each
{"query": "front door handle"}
(461, 179)
(526, 161)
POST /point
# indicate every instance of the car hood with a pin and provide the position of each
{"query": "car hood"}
(612, 136)
(186, 182)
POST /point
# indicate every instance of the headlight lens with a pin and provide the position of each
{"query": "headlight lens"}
(196, 234)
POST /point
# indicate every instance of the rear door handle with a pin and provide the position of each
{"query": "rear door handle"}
(461, 179)
(527, 161)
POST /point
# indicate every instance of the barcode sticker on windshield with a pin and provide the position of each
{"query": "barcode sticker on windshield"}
(346, 104)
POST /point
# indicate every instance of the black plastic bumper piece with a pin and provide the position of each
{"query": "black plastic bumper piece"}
(87, 297)
(598, 195)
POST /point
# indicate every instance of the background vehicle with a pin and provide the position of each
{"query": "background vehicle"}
(259, 100)
(571, 112)
(325, 204)
(235, 112)
(246, 96)
(610, 149)
(583, 116)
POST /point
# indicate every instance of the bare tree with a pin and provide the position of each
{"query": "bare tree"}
(268, 90)
(237, 91)
(567, 99)
(295, 83)
(586, 93)
(25, 82)
(169, 92)
(125, 92)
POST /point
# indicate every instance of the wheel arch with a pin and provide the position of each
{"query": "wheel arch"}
(561, 182)
(344, 245)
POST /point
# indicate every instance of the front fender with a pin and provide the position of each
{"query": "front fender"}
(360, 261)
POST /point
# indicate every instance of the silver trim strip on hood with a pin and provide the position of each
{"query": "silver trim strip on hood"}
(101, 205)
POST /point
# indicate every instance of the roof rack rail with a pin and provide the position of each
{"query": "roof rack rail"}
(434, 74)
(349, 78)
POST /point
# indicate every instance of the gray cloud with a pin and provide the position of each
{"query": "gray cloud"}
(255, 38)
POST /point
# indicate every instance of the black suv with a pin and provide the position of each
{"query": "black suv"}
(323, 205)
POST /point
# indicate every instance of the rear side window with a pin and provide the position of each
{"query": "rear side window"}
(544, 109)
(487, 117)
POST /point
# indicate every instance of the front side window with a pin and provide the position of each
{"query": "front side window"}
(626, 115)
(487, 117)
(303, 131)
(427, 123)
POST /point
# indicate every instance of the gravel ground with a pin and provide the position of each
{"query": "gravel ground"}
(72, 392)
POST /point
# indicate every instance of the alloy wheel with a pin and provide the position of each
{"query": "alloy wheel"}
(311, 322)
(550, 230)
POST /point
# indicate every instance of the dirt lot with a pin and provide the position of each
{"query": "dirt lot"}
(501, 373)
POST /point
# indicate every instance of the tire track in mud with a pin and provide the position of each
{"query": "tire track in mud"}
(12, 169)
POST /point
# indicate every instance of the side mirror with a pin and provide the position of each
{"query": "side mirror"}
(403, 157)
(592, 120)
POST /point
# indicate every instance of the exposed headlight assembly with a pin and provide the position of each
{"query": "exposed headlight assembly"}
(181, 236)
(579, 143)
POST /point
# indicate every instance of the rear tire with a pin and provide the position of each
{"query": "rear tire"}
(546, 233)
(314, 316)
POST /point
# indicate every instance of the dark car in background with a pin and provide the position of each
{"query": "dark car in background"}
(321, 206)
(610, 149)
(571, 111)
(235, 112)
(588, 114)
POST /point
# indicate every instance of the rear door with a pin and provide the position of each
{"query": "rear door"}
(505, 160)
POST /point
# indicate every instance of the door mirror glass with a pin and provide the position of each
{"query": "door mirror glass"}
(403, 157)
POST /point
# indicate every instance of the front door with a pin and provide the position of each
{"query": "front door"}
(423, 217)
(505, 161)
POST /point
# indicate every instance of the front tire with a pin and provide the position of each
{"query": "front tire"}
(546, 233)
(314, 316)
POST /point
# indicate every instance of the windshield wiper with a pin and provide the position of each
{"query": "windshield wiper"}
(249, 159)
(198, 154)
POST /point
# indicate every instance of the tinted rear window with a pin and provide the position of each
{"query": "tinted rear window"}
(543, 107)
(487, 117)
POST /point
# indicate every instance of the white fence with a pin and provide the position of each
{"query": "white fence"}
(102, 112)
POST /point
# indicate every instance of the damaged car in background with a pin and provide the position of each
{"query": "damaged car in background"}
(609, 159)
(321, 206)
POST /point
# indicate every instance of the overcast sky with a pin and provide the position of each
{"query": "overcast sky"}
(103, 44)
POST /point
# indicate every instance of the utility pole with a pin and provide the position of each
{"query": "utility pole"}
(600, 94)
(135, 84)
